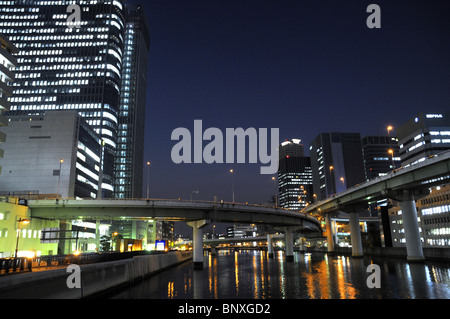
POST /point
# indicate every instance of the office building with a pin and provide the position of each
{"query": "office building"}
(30, 243)
(82, 67)
(131, 119)
(7, 64)
(242, 231)
(380, 155)
(423, 136)
(295, 182)
(336, 163)
(55, 154)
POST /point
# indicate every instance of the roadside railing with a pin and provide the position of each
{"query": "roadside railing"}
(14, 265)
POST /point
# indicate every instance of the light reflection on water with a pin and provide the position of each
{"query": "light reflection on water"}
(252, 275)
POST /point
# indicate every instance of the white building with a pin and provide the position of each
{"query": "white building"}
(56, 154)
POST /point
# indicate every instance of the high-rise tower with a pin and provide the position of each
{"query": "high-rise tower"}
(130, 142)
(294, 176)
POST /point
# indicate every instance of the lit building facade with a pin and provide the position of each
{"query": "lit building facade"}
(55, 154)
(82, 67)
(242, 231)
(7, 65)
(423, 136)
(295, 181)
(336, 163)
(377, 155)
(131, 119)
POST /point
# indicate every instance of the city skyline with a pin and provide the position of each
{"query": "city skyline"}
(303, 68)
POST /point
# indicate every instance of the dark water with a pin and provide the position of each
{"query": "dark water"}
(251, 275)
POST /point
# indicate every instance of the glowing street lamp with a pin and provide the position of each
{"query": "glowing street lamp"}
(232, 182)
(275, 188)
(333, 182)
(342, 180)
(20, 221)
(59, 177)
(148, 178)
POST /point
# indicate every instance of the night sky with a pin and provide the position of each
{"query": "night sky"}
(304, 67)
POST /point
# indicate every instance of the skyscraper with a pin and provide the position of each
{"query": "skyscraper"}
(377, 155)
(294, 176)
(423, 136)
(336, 163)
(82, 67)
(7, 63)
(130, 143)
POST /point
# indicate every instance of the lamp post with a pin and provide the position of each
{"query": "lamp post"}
(232, 182)
(389, 128)
(24, 221)
(148, 179)
(333, 182)
(59, 177)
(343, 184)
(276, 194)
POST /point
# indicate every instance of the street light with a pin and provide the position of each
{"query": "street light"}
(148, 177)
(232, 182)
(389, 128)
(276, 194)
(25, 222)
(59, 177)
(333, 182)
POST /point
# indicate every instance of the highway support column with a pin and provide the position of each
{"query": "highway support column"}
(355, 234)
(197, 241)
(289, 244)
(270, 245)
(406, 199)
(414, 249)
(330, 233)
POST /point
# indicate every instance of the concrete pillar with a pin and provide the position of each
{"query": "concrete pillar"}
(302, 245)
(409, 215)
(289, 244)
(213, 251)
(97, 235)
(355, 233)
(197, 242)
(270, 245)
(330, 235)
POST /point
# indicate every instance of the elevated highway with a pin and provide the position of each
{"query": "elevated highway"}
(195, 213)
(404, 185)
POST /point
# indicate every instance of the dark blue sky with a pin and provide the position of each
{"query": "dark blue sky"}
(304, 67)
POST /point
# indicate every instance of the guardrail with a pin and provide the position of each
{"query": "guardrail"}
(14, 265)
(22, 264)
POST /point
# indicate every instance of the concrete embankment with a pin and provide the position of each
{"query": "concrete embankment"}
(94, 278)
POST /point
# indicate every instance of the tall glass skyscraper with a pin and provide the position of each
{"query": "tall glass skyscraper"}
(295, 183)
(129, 156)
(74, 67)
